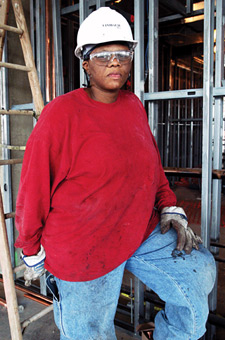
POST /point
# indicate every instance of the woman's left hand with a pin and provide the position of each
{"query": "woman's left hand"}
(175, 217)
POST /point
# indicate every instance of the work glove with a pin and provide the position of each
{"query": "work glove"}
(34, 266)
(175, 217)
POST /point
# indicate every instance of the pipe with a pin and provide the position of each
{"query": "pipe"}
(3, 302)
(40, 300)
(25, 290)
(36, 317)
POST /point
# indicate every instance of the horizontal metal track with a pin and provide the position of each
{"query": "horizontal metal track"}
(182, 94)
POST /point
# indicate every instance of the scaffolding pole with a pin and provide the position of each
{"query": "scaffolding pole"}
(153, 63)
(207, 122)
(218, 139)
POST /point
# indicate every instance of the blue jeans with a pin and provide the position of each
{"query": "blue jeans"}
(86, 310)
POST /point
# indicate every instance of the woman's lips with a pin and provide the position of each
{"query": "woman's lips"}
(114, 75)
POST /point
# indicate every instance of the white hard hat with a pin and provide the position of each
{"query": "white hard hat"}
(102, 26)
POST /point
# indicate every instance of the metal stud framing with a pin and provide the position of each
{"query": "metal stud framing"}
(210, 216)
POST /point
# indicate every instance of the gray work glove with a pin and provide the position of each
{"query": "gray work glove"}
(176, 217)
(34, 266)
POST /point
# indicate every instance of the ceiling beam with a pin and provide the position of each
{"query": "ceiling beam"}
(174, 5)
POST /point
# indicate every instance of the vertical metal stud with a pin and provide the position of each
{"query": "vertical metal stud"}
(32, 40)
(83, 13)
(190, 162)
(168, 116)
(71, 55)
(153, 63)
(177, 154)
(5, 135)
(40, 64)
(98, 4)
(207, 121)
(138, 302)
(139, 51)
(56, 18)
(139, 91)
(40, 43)
(218, 136)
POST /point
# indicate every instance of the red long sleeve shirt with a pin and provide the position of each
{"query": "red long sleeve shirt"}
(90, 180)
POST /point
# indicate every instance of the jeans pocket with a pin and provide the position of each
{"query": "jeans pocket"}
(52, 286)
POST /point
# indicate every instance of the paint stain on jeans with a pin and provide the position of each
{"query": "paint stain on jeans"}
(176, 253)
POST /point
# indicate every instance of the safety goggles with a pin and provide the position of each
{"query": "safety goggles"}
(103, 58)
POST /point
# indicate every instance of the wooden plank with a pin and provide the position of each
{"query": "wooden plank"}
(8, 282)
(192, 172)
(189, 172)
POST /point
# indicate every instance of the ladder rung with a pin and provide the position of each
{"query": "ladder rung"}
(19, 268)
(16, 66)
(10, 215)
(13, 147)
(18, 112)
(11, 29)
(11, 161)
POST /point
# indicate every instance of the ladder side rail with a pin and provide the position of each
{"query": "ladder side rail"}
(4, 9)
(8, 282)
(28, 56)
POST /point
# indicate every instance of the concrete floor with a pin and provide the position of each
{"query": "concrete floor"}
(45, 329)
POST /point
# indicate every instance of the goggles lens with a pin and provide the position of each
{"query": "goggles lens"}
(103, 58)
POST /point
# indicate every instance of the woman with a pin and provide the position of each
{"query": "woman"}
(91, 193)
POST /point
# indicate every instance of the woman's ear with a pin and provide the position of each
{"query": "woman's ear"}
(85, 66)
